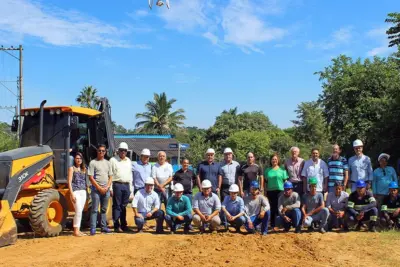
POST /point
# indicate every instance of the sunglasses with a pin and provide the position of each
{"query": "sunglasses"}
(101, 151)
(123, 150)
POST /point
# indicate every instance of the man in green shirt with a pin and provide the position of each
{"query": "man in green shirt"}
(179, 210)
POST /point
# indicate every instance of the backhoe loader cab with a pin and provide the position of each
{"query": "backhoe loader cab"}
(33, 177)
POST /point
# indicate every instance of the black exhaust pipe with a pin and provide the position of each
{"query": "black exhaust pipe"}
(41, 123)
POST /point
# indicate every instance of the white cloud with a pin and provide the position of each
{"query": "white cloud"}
(379, 35)
(239, 22)
(56, 26)
(142, 13)
(338, 38)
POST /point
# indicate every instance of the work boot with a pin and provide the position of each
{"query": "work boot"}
(372, 227)
(118, 230)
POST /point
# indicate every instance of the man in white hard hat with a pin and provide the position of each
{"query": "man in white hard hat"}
(230, 170)
(141, 170)
(122, 188)
(146, 206)
(207, 206)
(233, 209)
(179, 210)
(210, 170)
(360, 166)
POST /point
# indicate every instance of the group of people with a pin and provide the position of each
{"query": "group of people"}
(296, 193)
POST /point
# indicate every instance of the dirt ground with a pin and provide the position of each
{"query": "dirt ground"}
(221, 249)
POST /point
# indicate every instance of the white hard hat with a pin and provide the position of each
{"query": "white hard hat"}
(145, 152)
(149, 181)
(206, 184)
(178, 187)
(357, 142)
(228, 150)
(123, 145)
(384, 155)
(210, 151)
(234, 188)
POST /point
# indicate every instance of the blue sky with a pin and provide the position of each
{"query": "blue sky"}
(210, 55)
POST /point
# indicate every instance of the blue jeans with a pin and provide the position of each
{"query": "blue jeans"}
(158, 216)
(256, 221)
(102, 200)
(295, 217)
(175, 224)
(121, 193)
(237, 223)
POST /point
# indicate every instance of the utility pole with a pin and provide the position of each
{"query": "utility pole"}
(20, 94)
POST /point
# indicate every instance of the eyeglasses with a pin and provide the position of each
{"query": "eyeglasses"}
(101, 151)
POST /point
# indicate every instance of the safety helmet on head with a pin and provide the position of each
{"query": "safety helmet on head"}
(313, 180)
(255, 184)
(149, 181)
(393, 185)
(383, 155)
(206, 184)
(357, 142)
(145, 152)
(228, 150)
(123, 145)
(210, 151)
(288, 185)
(178, 187)
(360, 183)
(234, 188)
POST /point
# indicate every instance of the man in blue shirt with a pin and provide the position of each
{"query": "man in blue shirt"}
(141, 170)
(233, 209)
(210, 170)
(338, 169)
(179, 210)
(360, 167)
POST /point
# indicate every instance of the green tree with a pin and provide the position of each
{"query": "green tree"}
(197, 149)
(119, 129)
(310, 126)
(8, 140)
(159, 118)
(394, 31)
(88, 97)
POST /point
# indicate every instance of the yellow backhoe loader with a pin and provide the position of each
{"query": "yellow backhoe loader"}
(33, 177)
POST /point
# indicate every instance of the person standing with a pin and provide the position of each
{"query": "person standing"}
(141, 170)
(383, 176)
(100, 176)
(360, 167)
(162, 174)
(211, 171)
(122, 188)
(294, 166)
(275, 177)
(338, 169)
(77, 187)
(317, 168)
(248, 173)
(229, 171)
(185, 177)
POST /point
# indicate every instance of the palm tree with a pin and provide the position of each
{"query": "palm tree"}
(88, 97)
(159, 118)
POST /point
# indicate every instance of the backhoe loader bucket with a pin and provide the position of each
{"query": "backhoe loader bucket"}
(8, 227)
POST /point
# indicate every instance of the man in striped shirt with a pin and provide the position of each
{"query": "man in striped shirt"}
(338, 169)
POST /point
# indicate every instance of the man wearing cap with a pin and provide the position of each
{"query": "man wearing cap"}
(390, 209)
(141, 170)
(289, 208)
(382, 178)
(294, 166)
(206, 206)
(313, 207)
(361, 207)
(248, 173)
(316, 168)
(257, 210)
(211, 171)
(233, 209)
(336, 202)
(338, 169)
(122, 189)
(229, 171)
(179, 210)
(146, 206)
(162, 174)
(360, 166)
(185, 177)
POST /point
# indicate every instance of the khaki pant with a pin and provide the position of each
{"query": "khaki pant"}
(215, 222)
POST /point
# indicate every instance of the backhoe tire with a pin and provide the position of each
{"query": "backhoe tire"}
(48, 213)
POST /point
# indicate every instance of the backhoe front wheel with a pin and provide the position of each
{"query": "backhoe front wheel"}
(48, 213)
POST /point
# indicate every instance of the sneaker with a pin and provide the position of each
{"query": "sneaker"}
(297, 230)
(118, 230)
(92, 231)
(372, 229)
(322, 230)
